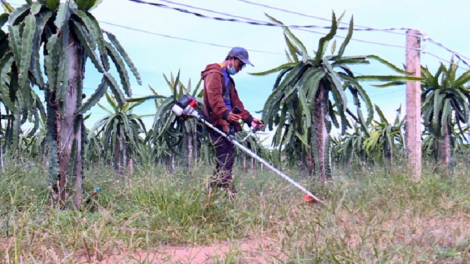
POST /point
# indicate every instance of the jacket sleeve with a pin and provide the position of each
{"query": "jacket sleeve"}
(213, 83)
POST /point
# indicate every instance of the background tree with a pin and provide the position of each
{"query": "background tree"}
(255, 144)
(385, 138)
(21, 105)
(445, 107)
(67, 34)
(431, 148)
(119, 132)
(176, 136)
(349, 148)
(309, 97)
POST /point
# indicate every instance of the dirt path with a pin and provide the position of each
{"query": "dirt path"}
(239, 251)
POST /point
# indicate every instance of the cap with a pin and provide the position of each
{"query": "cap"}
(241, 54)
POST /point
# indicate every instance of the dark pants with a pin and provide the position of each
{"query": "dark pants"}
(225, 152)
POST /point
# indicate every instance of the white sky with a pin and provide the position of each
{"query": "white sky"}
(444, 21)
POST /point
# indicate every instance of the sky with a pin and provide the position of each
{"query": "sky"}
(164, 41)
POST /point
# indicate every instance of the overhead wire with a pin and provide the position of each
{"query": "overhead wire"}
(376, 95)
(94, 89)
(450, 62)
(458, 55)
(234, 19)
(388, 30)
(148, 32)
(273, 24)
(298, 27)
(360, 28)
(442, 46)
(262, 23)
(184, 39)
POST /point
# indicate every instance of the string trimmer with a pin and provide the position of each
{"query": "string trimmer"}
(186, 107)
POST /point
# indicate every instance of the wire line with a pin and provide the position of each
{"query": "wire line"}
(304, 28)
(184, 39)
(362, 28)
(441, 45)
(459, 56)
(434, 55)
(254, 22)
(272, 24)
(246, 20)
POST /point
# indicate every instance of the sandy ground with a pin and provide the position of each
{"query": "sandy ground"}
(246, 251)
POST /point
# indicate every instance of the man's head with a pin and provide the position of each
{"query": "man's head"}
(241, 54)
(236, 60)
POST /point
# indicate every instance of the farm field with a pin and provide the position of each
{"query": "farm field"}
(157, 216)
(106, 148)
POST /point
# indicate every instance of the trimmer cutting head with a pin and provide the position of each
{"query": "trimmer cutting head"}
(310, 200)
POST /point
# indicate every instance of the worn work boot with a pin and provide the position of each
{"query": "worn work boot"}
(231, 192)
(212, 185)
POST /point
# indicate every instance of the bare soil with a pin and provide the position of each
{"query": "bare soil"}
(240, 251)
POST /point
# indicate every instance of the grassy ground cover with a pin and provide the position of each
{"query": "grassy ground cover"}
(371, 216)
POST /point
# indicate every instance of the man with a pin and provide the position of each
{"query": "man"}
(220, 102)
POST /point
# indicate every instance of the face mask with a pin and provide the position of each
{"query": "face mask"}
(231, 70)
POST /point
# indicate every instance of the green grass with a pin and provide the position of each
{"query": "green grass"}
(371, 216)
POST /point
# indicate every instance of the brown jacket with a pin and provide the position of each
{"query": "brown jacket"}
(214, 106)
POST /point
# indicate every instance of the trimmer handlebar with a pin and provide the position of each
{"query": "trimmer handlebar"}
(236, 110)
(256, 128)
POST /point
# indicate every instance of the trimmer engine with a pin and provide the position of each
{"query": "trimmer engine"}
(186, 107)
